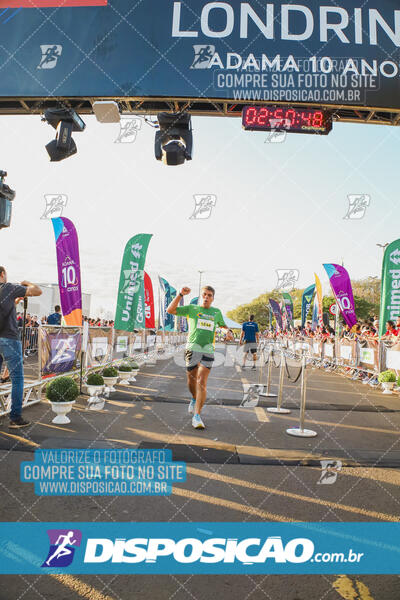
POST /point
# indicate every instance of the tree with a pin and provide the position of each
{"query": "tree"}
(366, 300)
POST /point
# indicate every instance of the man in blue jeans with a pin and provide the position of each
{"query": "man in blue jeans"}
(10, 344)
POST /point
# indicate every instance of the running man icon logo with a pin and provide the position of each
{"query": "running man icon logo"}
(202, 56)
(330, 471)
(358, 204)
(50, 55)
(203, 205)
(129, 128)
(251, 395)
(55, 203)
(62, 547)
(287, 279)
(395, 256)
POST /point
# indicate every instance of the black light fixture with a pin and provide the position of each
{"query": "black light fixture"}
(174, 140)
(7, 195)
(64, 121)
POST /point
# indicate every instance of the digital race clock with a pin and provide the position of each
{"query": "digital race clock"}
(295, 120)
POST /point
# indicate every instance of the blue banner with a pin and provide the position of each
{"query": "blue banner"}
(315, 315)
(213, 548)
(316, 52)
(183, 324)
(277, 312)
(169, 294)
(306, 300)
(194, 300)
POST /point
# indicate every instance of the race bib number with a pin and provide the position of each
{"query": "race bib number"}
(205, 324)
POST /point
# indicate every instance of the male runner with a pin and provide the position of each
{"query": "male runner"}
(250, 337)
(199, 354)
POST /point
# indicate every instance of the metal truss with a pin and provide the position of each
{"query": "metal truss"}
(199, 106)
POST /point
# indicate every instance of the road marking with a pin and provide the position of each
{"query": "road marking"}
(55, 427)
(350, 590)
(262, 416)
(250, 510)
(145, 389)
(276, 492)
(21, 439)
(344, 426)
(188, 440)
(159, 375)
(81, 588)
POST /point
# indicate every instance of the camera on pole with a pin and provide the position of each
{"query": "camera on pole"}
(64, 121)
(174, 140)
(7, 195)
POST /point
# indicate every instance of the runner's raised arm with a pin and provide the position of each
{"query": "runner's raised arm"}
(175, 302)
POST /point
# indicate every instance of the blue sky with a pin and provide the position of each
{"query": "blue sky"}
(279, 205)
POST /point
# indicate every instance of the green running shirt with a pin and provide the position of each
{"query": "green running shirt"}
(202, 325)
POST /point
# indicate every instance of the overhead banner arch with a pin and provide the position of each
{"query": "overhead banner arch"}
(314, 52)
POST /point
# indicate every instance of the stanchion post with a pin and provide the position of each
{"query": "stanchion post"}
(300, 431)
(268, 393)
(278, 408)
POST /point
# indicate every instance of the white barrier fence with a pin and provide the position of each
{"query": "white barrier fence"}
(62, 351)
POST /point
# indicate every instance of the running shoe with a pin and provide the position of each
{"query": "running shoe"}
(253, 367)
(17, 423)
(191, 406)
(197, 422)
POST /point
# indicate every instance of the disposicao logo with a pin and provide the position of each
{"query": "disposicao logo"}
(192, 550)
(62, 547)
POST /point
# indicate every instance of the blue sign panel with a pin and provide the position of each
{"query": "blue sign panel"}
(324, 52)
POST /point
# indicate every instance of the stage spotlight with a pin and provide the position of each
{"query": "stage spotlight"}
(64, 121)
(174, 140)
(7, 195)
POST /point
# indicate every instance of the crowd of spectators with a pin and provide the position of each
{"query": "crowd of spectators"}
(363, 330)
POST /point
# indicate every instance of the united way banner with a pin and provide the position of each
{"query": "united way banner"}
(277, 312)
(104, 548)
(251, 51)
(130, 313)
(69, 270)
(390, 286)
(343, 292)
(306, 302)
(149, 302)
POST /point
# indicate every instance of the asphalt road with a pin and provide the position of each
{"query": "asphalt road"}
(242, 467)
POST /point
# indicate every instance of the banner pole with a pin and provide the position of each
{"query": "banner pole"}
(300, 431)
(278, 408)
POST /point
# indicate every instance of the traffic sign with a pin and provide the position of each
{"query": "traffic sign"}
(333, 309)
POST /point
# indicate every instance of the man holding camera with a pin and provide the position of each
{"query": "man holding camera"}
(10, 344)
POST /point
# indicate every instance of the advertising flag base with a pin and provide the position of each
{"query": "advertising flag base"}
(282, 411)
(297, 432)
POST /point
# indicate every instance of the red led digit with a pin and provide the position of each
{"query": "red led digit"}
(305, 115)
(262, 116)
(318, 119)
(291, 116)
(279, 113)
(251, 115)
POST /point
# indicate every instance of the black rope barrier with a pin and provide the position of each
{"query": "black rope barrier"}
(288, 373)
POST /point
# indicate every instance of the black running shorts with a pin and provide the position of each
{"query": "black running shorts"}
(192, 359)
